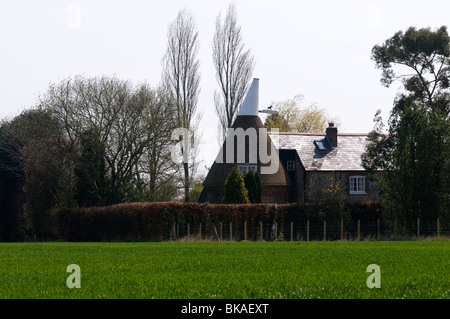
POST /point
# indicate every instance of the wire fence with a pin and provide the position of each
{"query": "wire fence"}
(310, 231)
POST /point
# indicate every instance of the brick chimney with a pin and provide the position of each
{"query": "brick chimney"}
(331, 133)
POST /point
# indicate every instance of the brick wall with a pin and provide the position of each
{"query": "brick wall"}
(277, 194)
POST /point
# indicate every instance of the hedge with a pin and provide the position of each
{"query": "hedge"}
(156, 221)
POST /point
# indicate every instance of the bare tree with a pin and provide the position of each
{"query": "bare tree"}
(234, 68)
(181, 74)
(104, 105)
(157, 169)
(130, 122)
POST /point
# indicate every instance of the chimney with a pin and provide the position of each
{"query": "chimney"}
(331, 133)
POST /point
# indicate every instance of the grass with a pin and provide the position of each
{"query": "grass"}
(231, 270)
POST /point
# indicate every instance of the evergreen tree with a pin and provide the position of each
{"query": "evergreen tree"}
(413, 160)
(235, 191)
(250, 184)
(90, 171)
(259, 189)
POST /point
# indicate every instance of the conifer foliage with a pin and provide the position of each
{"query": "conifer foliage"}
(235, 190)
(250, 184)
(259, 188)
(254, 187)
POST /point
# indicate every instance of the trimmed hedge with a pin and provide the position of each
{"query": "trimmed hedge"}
(156, 221)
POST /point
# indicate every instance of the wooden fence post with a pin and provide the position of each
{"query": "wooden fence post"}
(217, 235)
(221, 231)
(378, 228)
(245, 230)
(358, 235)
(307, 230)
(418, 228)
(200, 230)
(231, 231)
(189, 230)
(292, 231)
(276, 230)
(438, 231)
(261, 230)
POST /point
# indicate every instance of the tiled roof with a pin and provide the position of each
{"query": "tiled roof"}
(219, 171)
(345, 157)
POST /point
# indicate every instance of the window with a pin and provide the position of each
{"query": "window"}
(323, 145)
(357, 185)
(320, 145)
(290, 165)
(245, 168)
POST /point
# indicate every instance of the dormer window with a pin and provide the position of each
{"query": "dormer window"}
(322, 145)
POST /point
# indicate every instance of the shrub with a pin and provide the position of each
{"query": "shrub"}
(235, 191)
(250, 185)
(259, 188)
(157, 221)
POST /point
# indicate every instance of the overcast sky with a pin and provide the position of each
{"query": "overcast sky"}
(320, 49)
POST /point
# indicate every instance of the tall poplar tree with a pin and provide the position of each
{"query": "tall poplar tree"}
(234, 66)
(181, 74)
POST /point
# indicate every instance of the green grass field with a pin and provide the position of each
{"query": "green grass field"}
(409, 269)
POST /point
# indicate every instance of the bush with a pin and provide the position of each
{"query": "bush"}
(235, 191)
(157, 221)
(250, 185)
(259, 188)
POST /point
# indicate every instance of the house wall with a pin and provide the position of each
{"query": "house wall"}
(271, 194)
(315, 182)
(213, 194)
(277, 194)
(297, 176)
(299, 181)
(306, 188)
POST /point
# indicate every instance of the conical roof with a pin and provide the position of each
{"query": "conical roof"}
(250, 105)
(247, 118)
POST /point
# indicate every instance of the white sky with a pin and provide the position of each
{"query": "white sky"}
(320, 49)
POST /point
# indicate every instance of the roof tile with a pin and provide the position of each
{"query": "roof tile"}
(346, 157)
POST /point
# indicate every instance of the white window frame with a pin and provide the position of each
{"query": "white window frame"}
(247, 167)
(357, 185)
(290, 165)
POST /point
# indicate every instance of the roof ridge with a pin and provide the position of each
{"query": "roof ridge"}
(318, 134)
